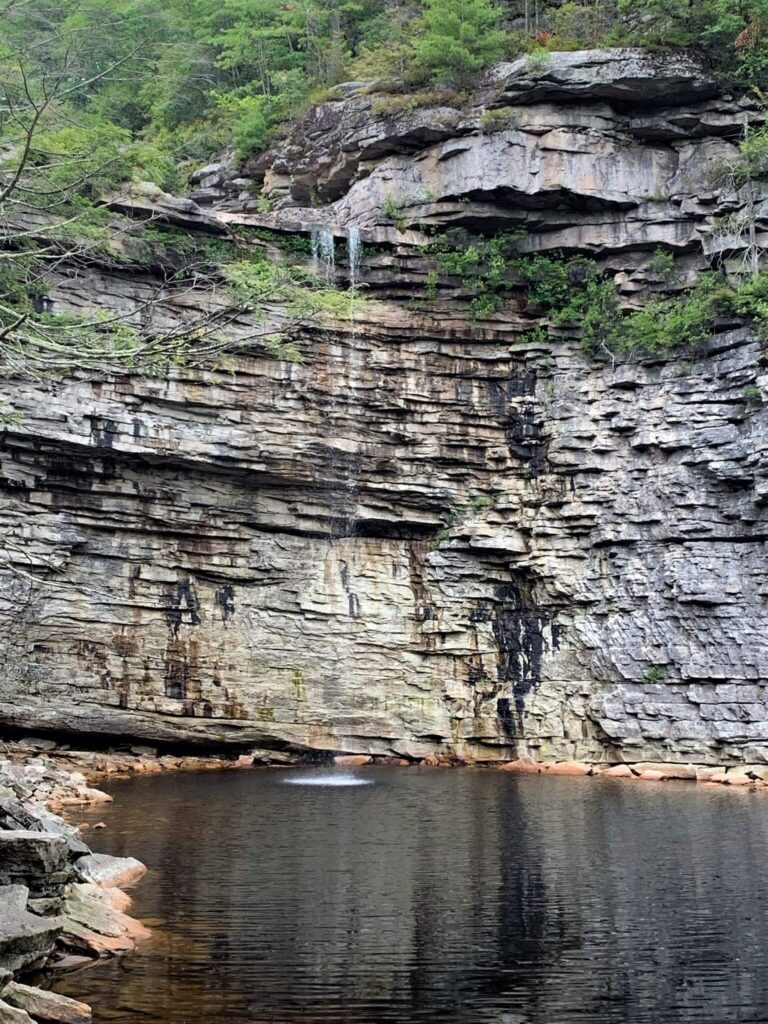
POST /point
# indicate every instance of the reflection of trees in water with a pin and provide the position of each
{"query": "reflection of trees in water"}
(459, 897)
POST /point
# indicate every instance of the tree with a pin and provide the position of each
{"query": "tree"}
(460, 37)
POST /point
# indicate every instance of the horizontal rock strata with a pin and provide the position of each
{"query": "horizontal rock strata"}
(433, 537)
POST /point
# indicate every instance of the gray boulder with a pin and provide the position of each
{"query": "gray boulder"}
(25, 939)
(101, 869)
(38, 860)
(16, 816)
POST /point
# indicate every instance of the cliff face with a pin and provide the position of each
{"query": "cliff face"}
(432, 535)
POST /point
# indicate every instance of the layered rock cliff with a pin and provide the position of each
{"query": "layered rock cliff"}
(433, 534)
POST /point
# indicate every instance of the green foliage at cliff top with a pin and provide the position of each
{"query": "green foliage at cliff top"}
(183, 78)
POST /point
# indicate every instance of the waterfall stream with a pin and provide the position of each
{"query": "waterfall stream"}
(345, 368)
(324, 254)
(355, 251)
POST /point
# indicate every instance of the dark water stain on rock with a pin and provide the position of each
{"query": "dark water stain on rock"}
(518, 630)
(179, 601)
(182, 671)
(525, 440)
(104, 431)
(353, 601)
(225, 599)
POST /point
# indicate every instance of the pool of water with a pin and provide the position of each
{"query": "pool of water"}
(428, 896)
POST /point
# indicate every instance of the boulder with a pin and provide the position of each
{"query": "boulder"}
(38, 860)
(102, 869)
(84, 795)
(12, 1015)
(46, 906)
(86, 907)
(669, 771)
(523, 765)
(38, 743)
(78, 937)
(738, 777)
(47, 1006)
(710, 773)
(26, 940)
(114, 898)
(14, 816)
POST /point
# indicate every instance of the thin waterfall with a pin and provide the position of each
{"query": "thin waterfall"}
(324, 254)
(345, 374)
(355, 251)
(314, 242)
(353, 379)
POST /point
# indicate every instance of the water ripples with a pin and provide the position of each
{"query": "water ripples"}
(437, 897)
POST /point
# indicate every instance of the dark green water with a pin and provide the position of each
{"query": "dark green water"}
(438, 897)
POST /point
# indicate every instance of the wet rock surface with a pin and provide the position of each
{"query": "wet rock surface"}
(550, 555)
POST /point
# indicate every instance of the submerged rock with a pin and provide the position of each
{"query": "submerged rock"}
(82, 939)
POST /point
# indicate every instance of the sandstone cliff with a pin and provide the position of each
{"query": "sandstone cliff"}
(433, 534)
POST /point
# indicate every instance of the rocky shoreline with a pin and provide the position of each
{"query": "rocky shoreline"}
(751, 775)
(61, 905)
(89, 766)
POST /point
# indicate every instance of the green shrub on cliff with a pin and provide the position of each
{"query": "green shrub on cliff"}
(576, 294)
(754, 156)
(481, 263)
(256, 283)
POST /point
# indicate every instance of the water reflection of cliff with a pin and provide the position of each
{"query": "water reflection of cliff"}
(441, 896)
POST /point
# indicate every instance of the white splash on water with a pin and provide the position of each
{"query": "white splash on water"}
(327, 780)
